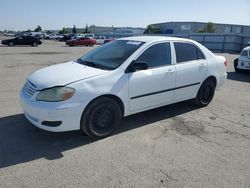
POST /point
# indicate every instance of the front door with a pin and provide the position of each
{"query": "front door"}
(154, 86)
(20, 41)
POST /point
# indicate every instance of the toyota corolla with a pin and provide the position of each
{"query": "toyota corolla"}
(120, 78)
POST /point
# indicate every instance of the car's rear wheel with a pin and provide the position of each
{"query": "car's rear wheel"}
(34, 44)
(11, 44)
(101, 118)
(205, 93)
(236, 65)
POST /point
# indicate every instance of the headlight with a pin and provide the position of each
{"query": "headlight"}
(55, 94)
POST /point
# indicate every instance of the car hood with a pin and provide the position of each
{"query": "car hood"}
(6, 40)
(62, 74)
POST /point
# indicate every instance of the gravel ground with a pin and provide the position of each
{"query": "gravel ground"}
(174, 146)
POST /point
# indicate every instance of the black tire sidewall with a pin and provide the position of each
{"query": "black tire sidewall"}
(86, 124)
(11, 44)
(199, 100)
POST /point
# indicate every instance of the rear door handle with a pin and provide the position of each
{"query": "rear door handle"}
(169, 71)
(202, 66)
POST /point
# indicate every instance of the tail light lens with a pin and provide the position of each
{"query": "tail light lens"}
(225, 63)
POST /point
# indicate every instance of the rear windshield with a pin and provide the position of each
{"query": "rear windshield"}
(110, 55)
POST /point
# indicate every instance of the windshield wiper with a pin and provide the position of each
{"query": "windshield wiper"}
(88, 63)
(91, 64)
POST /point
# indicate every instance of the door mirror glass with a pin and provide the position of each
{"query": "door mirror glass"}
(137, 66)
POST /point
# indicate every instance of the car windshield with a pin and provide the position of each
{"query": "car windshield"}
(111, 55)
(243, 53)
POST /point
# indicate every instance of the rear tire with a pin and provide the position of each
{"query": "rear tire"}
(101, 118)
(235, 67)
(205, 93)
(34, 44)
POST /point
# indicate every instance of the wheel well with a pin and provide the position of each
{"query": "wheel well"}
(115, 98)
(213, 79)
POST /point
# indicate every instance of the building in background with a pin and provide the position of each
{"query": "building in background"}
(193, 27)
(225, 38)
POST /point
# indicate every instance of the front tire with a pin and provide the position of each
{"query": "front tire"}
(11, 44)
(205, 93)
(236, 65)
(101, 118)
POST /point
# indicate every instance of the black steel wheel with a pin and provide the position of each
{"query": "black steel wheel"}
(205, 93)
(11, 44)
(101, 118)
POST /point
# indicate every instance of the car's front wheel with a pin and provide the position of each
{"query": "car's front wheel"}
(205, 93)
(11, 44)
(101, 118)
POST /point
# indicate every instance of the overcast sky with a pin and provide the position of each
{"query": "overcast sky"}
(55, 14)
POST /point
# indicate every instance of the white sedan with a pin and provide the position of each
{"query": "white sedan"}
(242, 64)
(120, 78)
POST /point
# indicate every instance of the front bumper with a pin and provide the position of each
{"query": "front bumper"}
(68, 113)
(244, 65)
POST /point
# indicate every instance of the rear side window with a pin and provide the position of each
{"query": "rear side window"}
(187, 52)
(157, 55)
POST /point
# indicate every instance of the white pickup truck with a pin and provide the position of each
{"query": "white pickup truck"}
(242, 64)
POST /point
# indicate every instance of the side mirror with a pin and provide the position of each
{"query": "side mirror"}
(136, 66)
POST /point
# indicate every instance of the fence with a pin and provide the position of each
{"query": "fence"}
(219, 42)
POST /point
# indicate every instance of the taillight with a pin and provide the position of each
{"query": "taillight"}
(225, 63)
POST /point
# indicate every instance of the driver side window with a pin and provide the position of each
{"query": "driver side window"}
(156, 55)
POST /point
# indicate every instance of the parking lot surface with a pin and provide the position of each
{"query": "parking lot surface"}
(174, 146)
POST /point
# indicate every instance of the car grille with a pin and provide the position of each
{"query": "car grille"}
(29, 88)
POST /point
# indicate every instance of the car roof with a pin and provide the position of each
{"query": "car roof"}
(247, 48)
(155, 39)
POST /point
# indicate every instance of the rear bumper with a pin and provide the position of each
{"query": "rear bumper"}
(221, 80)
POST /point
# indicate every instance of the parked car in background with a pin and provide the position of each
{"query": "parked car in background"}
(66, 37)
(22, 40)
(100, 39)
(118, 79)
(54, 37)
(86, 41)
(242, 64)
(108, 40)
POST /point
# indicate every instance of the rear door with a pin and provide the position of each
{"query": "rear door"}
(152, 87)
(191, 68)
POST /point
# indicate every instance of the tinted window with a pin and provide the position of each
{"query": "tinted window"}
(187, 52)
(111, 55)
(157, 55)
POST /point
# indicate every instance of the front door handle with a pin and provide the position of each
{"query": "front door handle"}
(202, 64)
(170, 70)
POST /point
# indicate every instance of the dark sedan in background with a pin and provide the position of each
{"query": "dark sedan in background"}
(22, 40)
